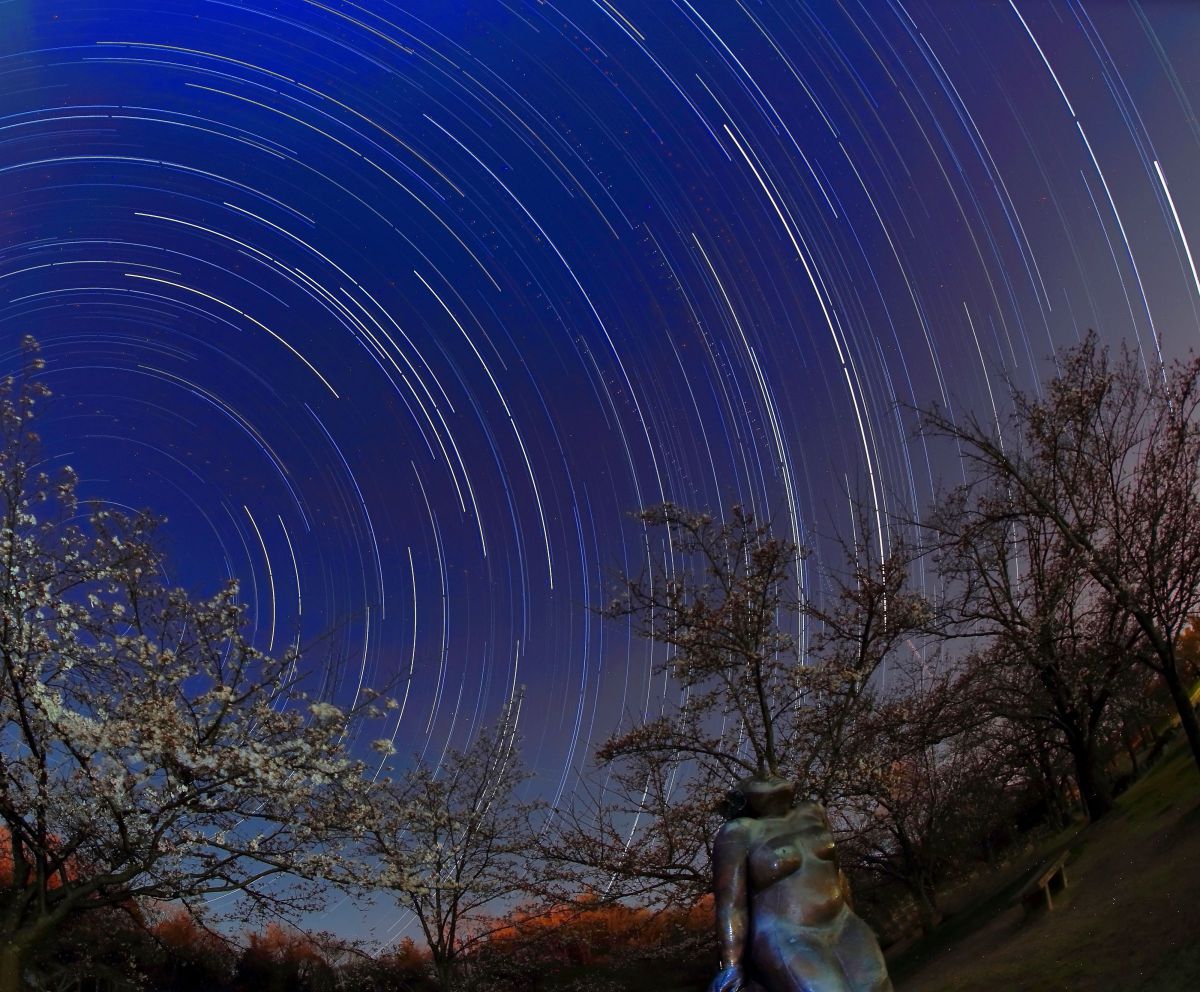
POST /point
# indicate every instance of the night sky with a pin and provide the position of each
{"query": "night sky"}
(397, 310)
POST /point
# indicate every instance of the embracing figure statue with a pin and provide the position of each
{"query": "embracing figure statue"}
(783, 920)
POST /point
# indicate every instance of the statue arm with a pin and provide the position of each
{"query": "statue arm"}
(729, 889)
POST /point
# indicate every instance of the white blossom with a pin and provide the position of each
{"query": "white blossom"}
(139, 744)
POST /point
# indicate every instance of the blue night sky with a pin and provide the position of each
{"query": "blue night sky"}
(396, 310)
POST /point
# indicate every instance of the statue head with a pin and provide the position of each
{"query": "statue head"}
(760, 795)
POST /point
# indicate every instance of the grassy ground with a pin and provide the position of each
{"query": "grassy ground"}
(1127, 922)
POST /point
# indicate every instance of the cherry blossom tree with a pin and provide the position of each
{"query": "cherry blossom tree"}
(1108, 454)
(148, 749)
(639, 828)
(1060, 649)
(727, 618)
(451, 840)
(874, 640)
(918, 808)
(752, 698)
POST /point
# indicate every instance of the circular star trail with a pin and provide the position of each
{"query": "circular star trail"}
(396, 310)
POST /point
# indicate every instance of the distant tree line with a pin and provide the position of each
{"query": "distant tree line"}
(998, 664)
(577, 948)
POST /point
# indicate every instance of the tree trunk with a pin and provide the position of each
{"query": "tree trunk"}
(1093, 790)
(927, 911)
(444, 971)
(1127, 738)
(1058, 807)
(12, 974)
(1057, 814)
(1183, 703)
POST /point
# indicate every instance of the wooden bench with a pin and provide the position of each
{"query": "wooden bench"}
(1052, 876)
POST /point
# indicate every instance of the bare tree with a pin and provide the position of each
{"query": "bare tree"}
(921, 807)
(452, 839)
(722, 623)
(1029, 756)
(1111, 458)
(147, 748)
(639, 828)
(642, 826)
(1060, 648)
(749, 703)
(874, 638)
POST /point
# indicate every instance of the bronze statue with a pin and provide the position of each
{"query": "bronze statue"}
(783, 920)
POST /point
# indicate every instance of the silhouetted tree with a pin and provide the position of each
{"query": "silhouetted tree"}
(1060, 648)
(405, 969)
(280, 960)
(871, 645)
(194, 957)
(922, 798)
(1109, 455)
(728, 612)
(721, 609)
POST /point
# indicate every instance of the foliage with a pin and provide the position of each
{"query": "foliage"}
(280, 960)
(1109, 456)
(148, 749)
(193, 958)
(1057, 649)
(729, 616)
(406, 969)
(449, 840)
(592, 944)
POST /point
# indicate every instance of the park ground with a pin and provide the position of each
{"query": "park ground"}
(1127, 922)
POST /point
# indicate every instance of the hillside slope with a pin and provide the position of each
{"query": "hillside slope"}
(1128, 920)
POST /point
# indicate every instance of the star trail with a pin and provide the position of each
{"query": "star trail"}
(396, 310)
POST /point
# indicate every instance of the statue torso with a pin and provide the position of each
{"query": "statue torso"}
(792, 878)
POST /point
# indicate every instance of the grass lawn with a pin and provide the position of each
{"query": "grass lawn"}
(1128, 921)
